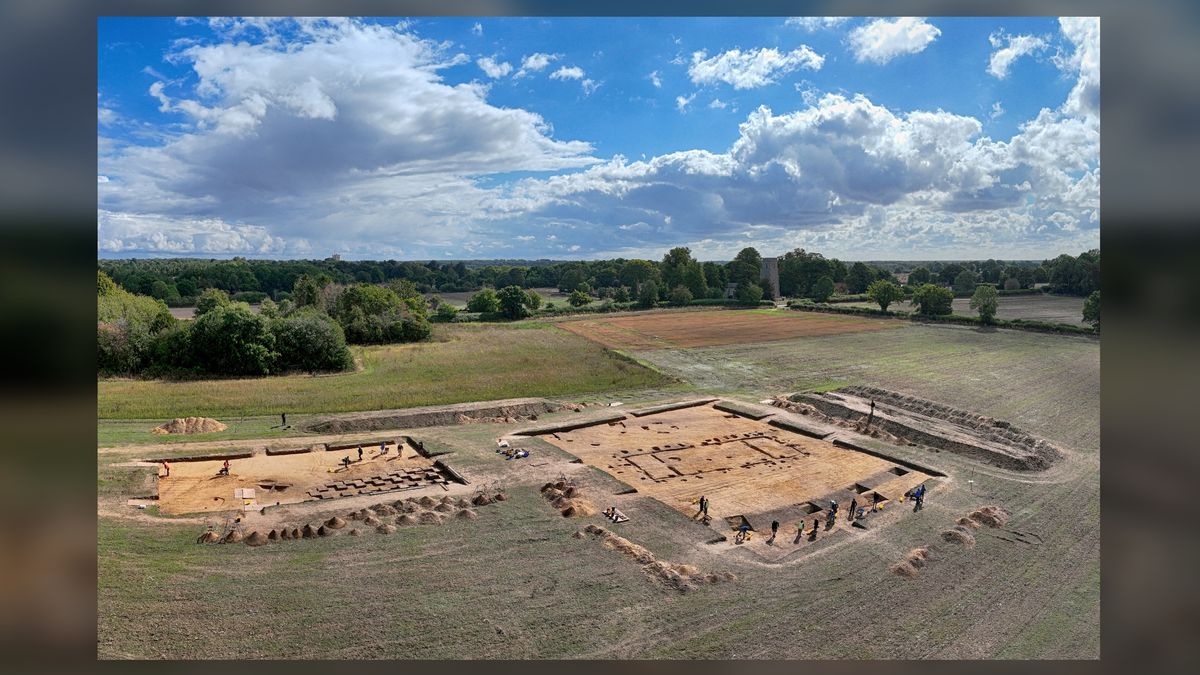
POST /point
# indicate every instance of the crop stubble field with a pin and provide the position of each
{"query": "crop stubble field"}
(514, 584)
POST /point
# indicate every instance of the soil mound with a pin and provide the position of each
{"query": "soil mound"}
(481, 500)
(308, 532)
(578, 534)
(323, 531)
(362, 514)
(408, 507)
(233, 537)
(463, 504)
(189, 425)
(427, 501)
(256, 538)
(959, 535)
(296, 534)
(354, 532)
(384, 510)
(273, 535)
(335, 523)
(967, 522)
(501, 497)
(407, 519)
(447, 500)
(209, 537)
(904, 569)
(372, 521)
(466, 514)
(992, 516)
(445, 508)
(577, 509)
(431, 518)
(285, 533)
(385, 529)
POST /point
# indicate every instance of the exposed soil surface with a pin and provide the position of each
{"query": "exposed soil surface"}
(713, 328)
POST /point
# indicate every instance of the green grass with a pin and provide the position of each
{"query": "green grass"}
(464, 363)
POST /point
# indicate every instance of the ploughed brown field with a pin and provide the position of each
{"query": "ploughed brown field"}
(716, 328)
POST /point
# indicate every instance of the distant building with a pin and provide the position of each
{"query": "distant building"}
(769, 273)
(335, 257)
(731, 290)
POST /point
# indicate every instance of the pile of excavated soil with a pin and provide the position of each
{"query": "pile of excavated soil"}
(904, 569)
(335, 523)
(256, 538)
(430, 518)
(680, 577)
(466, 514)
(308, 532)
(371, 521)
(463, 504)
(427, 501)
(209, 537)
(408, 507)
(577, 508)
(959, 535)
(507, 411)
(189, 425)
(384, 510)
(445, 508)
(285, 533)
(385, 529)
(296, 534)
(273, 535)
(500, 497)
(362, 514)
(567, 498)
(481, 500)
(407, 519)
(233, 537)
(992, 516)
(323, 531)
(967, 522)
(354, 532)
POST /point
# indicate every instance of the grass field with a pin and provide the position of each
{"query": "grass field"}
(464, 363)
(1051, 308)
(514, 584)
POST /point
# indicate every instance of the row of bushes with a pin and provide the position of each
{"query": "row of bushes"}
(1021, 324)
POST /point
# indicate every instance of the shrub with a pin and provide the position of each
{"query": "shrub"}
(932, 300)
(884, 293)
(232, 340)
(484, 302)
(749, 294)
(985, 302)
(311, 341)
(578, 298)
(621, 294)
(532, 300)
(822, 289)
(210, 299)
(446, 311)
(514, 302)
(680, 296)
(1091, 309)
(648, 295)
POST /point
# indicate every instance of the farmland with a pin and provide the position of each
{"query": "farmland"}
(1051, 308)
(516, 584)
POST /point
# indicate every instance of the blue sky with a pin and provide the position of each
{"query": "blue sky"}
(889, 138)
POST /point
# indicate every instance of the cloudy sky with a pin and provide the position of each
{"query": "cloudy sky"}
(890, 138)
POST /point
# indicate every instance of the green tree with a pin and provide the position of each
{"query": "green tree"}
(693, 279)
(232, 340)
(674, 265)
(532, 300)
(965, 281)
(919, 276)
(571, 279)
(621, 294)
(859, 278)
(579, 299)
(310, 341)
(749, 294)
(648, 295)
(634, 273)
(884, 293)
(104, 284)
(680, 296)
(822, 289)
(986, 302)
(447, 311)
(514, 302)
(485, 302)
(1091, 309)
(307, 291)
(932, 300)
(210, 299)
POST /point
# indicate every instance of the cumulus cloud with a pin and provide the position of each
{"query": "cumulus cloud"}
(717, 103)
(477, 29)
(535, 62)
(655, 79)
(1084, 61)
(1014, 47)
(492, 69)
(752, 68)
(567, 73)
(816, 23)
(344, 131)
(882, 40)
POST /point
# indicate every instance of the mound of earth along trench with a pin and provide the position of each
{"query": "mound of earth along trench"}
(189, 425)
(508, 410)
(935, 425)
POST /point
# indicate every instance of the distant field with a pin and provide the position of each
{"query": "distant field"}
(460, 299)
(713, 328)
(463, 363)
(1052, 308)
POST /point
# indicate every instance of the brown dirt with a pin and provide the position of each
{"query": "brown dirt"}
(481, 500)
(904, 569)
(466, 514)
(189, 425)
(296, 533)
(660, 330)
(431, 518)
(308, 532)
(323, 531)
(408, 507)
(407, 519)
(335, 523)
(500, 497)
(371, 521)
(462, 504)
(233, 537)
(427, 501)
(209, 537)
(273, 535)
(959, 535)
(992, 516)
(385, 529)
(433, 416)
(577, 508)
(355, 532)
(967, 522)
(384, 510)
(285, 533)
(256, 538)
(445, 508)
(681, 577)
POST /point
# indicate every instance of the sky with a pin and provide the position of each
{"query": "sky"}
(895, 138)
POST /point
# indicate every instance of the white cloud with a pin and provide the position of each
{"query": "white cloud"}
(882, 40)
(1015, 46)
(655, 79)
(535, 62)
(477, 29)
(101, 178)
(682, 102)
(717, 103)
(750, 69)
(815, 23)
(567, 73)
(492, 69)
(153, 233)
(997, 110)
(589, 86)
(1084, 60)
